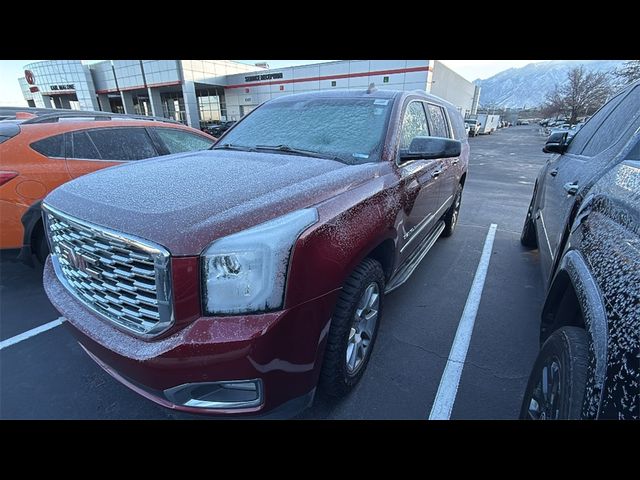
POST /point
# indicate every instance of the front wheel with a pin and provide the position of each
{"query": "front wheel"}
(557, 383)
(354, 327)
(451, 217)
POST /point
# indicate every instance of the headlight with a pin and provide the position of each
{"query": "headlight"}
(246, 271)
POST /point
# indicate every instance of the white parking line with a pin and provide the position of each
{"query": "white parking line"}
(31, 333)
(448, 388)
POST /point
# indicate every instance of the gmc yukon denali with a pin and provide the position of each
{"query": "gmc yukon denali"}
(237, 280)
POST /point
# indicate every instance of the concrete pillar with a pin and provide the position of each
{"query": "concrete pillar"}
(155, 101)
(127, 103)
(103, 100)
(476, 100)
(191, 104)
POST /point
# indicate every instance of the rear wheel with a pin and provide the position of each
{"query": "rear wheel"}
(557, 383)
(528, 235)
(451, 217)
(354, 327)
(39, 244)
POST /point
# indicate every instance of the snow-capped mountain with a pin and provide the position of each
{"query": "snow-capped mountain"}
(527, 86)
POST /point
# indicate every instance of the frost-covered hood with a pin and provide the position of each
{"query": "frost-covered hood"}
(185, 201)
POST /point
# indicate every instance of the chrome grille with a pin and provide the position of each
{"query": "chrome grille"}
(123, 279)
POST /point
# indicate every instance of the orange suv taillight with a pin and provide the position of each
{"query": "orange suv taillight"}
(5, 176)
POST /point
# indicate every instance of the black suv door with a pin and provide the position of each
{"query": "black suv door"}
(592, 148)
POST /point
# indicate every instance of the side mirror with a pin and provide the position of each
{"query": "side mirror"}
(426, 148)
(556, 143)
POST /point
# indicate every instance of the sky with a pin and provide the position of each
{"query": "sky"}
(10, 70)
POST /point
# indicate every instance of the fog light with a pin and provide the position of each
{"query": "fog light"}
(222, 395)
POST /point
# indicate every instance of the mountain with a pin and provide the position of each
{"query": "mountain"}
(526, 87)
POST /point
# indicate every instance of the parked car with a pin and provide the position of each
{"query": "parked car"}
(585, 219)
(235, 280)
(219, 129)
(41, 149)
(474, 127)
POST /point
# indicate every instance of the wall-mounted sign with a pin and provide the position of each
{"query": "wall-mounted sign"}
(264, 76)
(68, 86)
(33, 89)
(29, 77)
(247, 99)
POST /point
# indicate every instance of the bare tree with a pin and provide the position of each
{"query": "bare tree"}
(629, 72)
(583, 93)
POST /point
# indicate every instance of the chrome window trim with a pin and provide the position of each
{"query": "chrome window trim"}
(162, 264)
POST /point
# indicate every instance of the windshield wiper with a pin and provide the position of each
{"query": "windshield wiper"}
(230, 146)
(297, 151)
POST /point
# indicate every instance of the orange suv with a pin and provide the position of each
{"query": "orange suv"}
(42, 149)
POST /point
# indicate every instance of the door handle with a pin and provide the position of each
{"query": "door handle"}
(436, 173)
(571, 188)
(455, 161)
(553, 172)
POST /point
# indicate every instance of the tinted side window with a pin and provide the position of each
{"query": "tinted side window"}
(179, 141)
(438, 121)
(50, 147)
(123, 143)
(414, 124)
(583, 136)
(83, 147)
(615, 125)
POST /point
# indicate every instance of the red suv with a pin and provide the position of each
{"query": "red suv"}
(235, 280)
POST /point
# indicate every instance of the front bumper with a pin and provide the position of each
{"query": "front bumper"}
(281, 350)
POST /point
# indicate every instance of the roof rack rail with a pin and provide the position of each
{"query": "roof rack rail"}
(54, 117)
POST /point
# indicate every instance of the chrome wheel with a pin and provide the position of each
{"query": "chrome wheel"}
(545, 401)
(363, 326)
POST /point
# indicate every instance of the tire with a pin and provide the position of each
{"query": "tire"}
(451, 217)
(565, 355)
(39, 244)
(337, 376)
(528, 236)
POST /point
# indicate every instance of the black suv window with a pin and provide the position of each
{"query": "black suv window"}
(180, 141)
(438, 121)
(615, 124)
(414, 124)
(123, 143)
(50, 147)
(583, 136)
(83, 147)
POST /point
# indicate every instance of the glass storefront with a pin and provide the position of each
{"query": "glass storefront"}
(211, 105)
(173, 106)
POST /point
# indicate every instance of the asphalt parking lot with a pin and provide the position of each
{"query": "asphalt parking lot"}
(48, 376)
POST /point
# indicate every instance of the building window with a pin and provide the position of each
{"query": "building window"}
(211, 105)
(173, 106)
(333, 83)
(385, 79)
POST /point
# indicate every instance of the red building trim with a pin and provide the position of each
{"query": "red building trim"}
(331, 77)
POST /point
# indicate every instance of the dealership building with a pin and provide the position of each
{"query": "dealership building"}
(200, 92)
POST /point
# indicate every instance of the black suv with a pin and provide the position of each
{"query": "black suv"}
(219, 129)
(585, 219)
